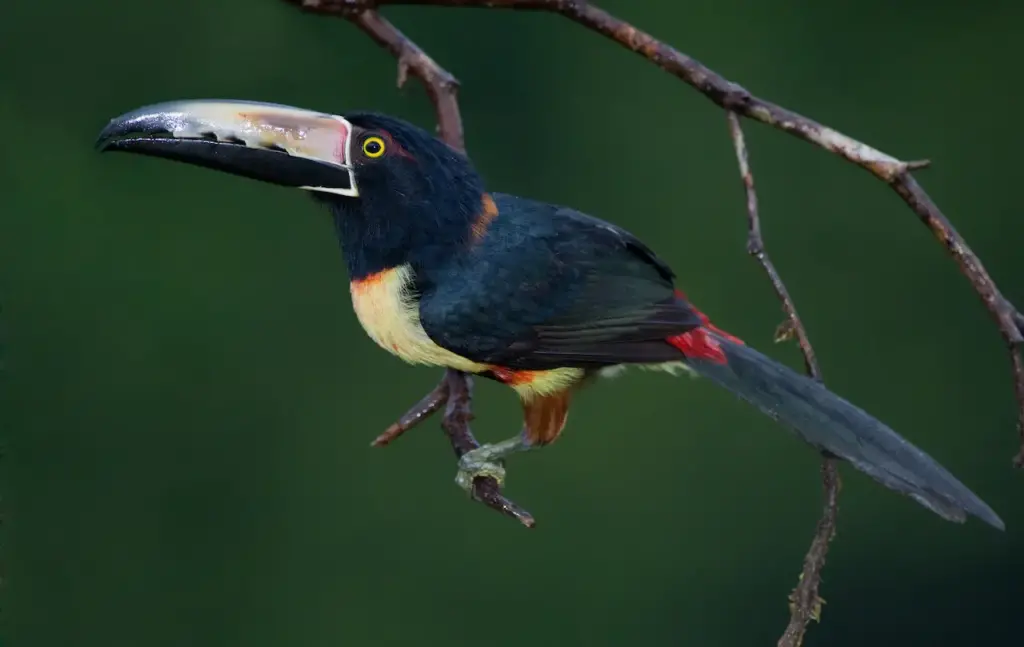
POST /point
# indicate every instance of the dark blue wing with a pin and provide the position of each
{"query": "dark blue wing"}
(550, 287)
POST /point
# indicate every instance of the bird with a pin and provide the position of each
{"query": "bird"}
(543, 298)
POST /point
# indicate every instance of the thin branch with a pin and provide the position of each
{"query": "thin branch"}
(455, 387)
(419, 412)
(805, 603)
(735, 98)
(441, 86)
(755, 247)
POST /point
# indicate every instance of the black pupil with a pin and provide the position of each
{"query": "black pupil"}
(373, 146)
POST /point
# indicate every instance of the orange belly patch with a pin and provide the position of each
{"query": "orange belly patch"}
(535, 384)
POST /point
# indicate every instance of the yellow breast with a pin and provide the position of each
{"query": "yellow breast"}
(391, 318)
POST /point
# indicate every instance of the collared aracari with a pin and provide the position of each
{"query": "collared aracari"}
(537, 296)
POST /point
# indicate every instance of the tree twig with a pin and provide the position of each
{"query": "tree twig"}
(755, 247)
(441, 86)
(419, 412)
(805, 603)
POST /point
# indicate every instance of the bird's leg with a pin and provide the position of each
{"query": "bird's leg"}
(489, 459)
(543, 420)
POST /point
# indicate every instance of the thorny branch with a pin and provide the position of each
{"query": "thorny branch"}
(737, 101)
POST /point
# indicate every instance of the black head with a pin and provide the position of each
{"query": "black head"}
(417, 196)
(397, 193)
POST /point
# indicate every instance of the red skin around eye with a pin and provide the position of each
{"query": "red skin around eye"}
(397, 148)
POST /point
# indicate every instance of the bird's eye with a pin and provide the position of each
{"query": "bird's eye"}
(373, 147)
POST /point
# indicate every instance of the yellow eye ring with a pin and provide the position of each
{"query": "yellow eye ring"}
(373, 147)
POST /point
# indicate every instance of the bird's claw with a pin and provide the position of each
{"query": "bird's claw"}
(478, 462)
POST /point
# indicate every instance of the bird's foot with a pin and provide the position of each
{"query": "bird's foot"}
(487, 460)
(475, 463)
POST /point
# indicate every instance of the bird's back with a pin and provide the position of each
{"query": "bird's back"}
(541, 281)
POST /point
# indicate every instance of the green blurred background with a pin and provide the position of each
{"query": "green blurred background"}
(188, 398)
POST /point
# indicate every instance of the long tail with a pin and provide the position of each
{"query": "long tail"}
(833, 425)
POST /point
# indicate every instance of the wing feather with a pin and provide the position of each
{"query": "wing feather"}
(551, 287)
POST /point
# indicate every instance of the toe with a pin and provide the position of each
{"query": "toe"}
(471, 469)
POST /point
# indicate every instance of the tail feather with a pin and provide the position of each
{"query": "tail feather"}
(833, 425)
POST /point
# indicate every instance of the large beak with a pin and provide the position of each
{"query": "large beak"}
(263, 141)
